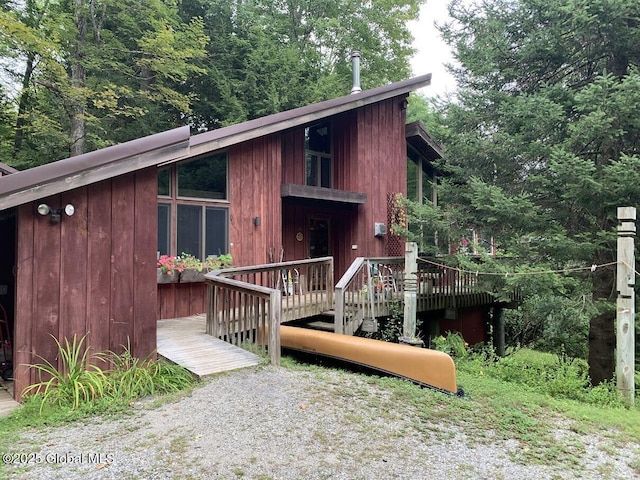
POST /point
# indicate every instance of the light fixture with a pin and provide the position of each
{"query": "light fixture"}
(257, 221)
(56, 213)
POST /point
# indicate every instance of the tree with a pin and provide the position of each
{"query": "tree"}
(90, 73)
(266, 56)
(94, 72)
(543, 141)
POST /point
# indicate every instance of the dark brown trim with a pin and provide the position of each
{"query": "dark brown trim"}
(417, 135)
(258, 127)
(74, 172)
(333, 195)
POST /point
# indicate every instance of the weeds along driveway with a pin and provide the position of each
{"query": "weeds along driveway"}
(312, 423)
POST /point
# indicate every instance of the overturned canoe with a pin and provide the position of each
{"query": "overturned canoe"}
(427, 367)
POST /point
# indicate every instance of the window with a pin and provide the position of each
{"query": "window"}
(164, 230)
(203, 178)
(193, 209)
(318, 156)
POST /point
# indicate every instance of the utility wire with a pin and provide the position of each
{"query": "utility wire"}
(593, 268)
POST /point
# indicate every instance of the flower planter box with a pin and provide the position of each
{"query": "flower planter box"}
(167, 277)
(189, 275)
(192, 275)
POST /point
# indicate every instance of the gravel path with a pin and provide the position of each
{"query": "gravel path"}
(277, 423)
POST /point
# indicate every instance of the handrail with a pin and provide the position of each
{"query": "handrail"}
(245, 302)
(357, 296)
(262, 304)
(226, 272)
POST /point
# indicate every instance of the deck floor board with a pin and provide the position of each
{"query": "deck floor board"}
(184, 341)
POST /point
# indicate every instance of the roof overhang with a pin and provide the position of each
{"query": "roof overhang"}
(234, 134)
(39, 182)
(418, 137)
(173, 145)
(331, 195)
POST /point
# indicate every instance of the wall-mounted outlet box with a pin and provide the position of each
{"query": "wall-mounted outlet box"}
(379, 229)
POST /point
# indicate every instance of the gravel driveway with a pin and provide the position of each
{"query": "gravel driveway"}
(279, 423)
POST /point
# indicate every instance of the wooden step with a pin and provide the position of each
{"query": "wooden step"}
(320, 325)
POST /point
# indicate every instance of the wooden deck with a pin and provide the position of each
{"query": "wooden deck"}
(7, 403)
(184, 341)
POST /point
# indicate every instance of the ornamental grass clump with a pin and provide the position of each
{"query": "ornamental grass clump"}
(131, 377)
(76, 381)
(79, 383)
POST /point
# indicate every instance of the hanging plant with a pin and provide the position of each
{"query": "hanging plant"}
(397, 214)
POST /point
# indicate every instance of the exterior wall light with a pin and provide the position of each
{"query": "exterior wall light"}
(56, 213)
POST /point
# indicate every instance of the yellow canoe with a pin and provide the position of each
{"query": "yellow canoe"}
(427, 367)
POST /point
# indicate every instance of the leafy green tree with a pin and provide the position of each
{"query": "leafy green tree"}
(94, 72)
(543, 143)
(90, 73)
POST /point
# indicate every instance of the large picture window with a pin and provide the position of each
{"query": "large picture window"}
(193, 208)
(318, 155)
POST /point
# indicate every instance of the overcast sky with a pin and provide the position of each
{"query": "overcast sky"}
(432, 51)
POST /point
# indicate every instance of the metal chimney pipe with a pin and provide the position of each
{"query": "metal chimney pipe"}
(355, 63)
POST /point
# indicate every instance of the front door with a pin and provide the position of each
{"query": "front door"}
(319, 237)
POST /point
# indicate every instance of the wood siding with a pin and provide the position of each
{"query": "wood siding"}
(93, 272)
(254, 191)
(369, 156)
(177, 300)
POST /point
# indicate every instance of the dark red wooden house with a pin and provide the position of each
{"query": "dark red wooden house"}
(308, 182)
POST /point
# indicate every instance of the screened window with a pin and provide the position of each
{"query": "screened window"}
(318, 155)
(195, 219)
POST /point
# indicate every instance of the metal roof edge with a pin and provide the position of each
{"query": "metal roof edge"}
(233, 134)
(56, 177)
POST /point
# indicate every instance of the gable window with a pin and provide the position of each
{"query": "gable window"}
(318, 155)
(193, 207)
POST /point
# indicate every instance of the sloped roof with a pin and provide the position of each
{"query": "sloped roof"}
(56, 177)
(225, 137)
(177, 144)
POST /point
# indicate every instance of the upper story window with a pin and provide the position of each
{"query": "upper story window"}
(318, 155)
(193, 208)
(203, 177)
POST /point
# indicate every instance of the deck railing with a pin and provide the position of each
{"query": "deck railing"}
(367, 290)
(440, 287)
(245, 303)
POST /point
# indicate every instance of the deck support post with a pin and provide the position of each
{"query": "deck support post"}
(275, 318)
(625, 305)
(498, 331)
(410, 289)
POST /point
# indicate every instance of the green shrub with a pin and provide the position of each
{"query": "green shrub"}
(452, 344)
(605, 395)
